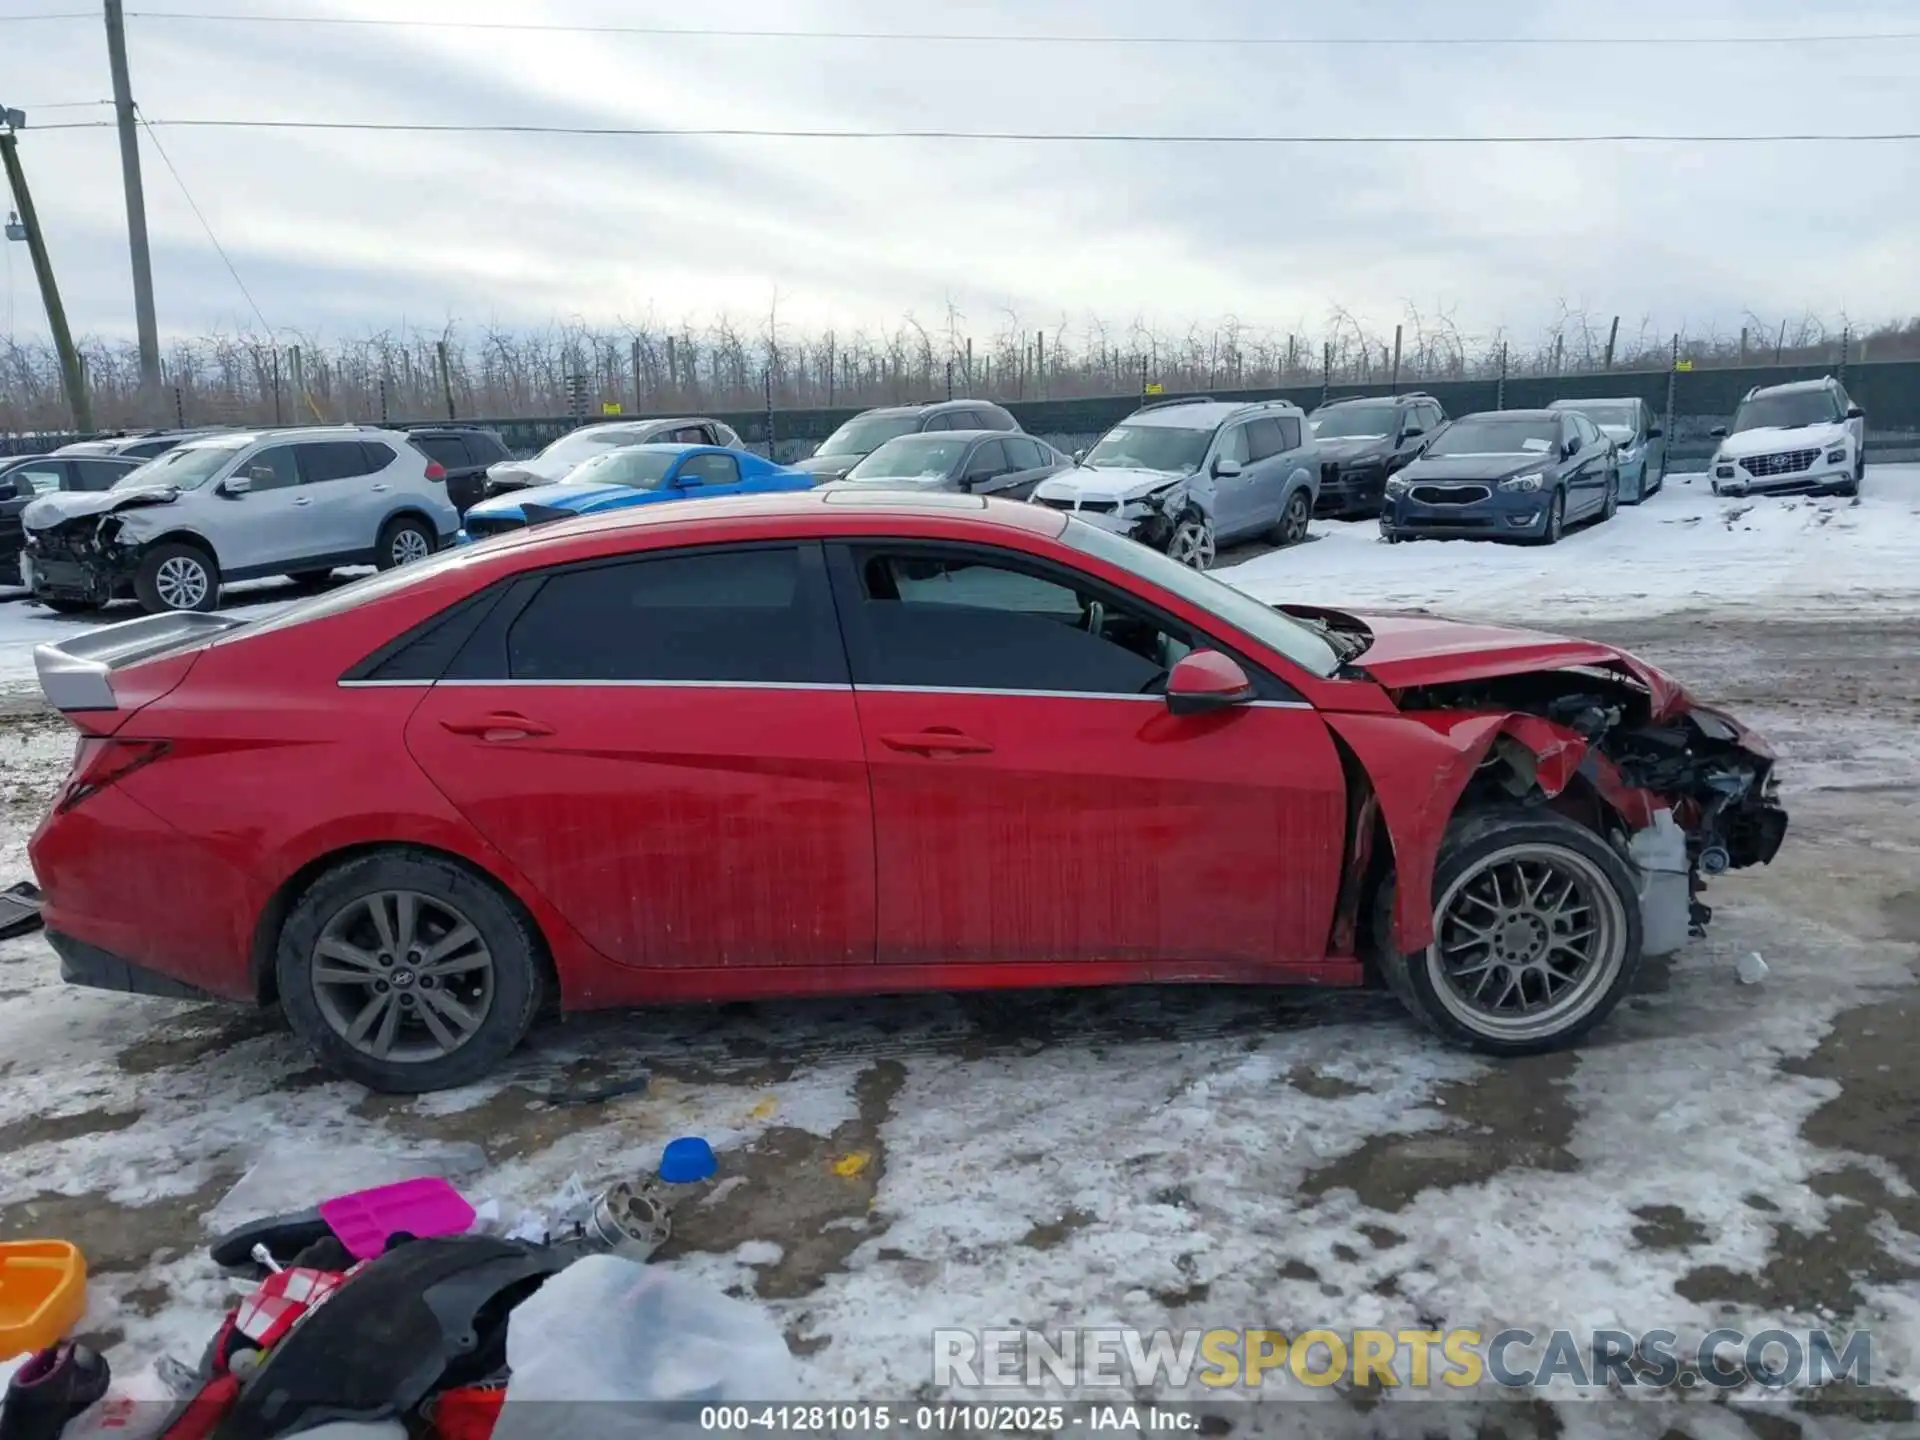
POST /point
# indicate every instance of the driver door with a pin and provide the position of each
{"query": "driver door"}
(1235, 497)
(1035, 801)
(269, 525)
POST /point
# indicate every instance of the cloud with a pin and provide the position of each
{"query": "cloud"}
(347, 231)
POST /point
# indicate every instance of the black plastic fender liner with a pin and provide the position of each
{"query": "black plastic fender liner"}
(423, 1315)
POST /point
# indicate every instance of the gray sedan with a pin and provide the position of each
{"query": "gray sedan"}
(981, 462)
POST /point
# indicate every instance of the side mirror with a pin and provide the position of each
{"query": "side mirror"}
(1225, 469)
(1206, 680)
(1654, 432)
(1719, 432)
(236, 485)
(1412, 432)
(1079, 456)
(23, 488)
(1854, 412)
(1571, 448)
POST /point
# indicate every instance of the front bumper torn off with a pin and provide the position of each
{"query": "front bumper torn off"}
(88, 558)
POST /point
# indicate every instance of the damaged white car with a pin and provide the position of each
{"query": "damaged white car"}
(237, 507)
(1188, 476)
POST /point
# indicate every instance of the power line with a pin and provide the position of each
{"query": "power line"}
(201, 217)
(54, 15)
(64, 105)
(957, 37)
(1014, 136)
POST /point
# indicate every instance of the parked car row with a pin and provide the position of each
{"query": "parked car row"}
(1185, 476)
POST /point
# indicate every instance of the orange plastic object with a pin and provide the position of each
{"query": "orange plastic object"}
(43, 1294)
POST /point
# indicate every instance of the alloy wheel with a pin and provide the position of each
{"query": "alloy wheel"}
(1192, 543)
(1527, 942)
(402, 976)
(410, 545)
(1293, 525)
(182, 583)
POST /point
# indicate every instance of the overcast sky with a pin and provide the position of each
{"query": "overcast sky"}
(340, 232)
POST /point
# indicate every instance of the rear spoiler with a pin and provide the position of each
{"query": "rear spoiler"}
(77, 674)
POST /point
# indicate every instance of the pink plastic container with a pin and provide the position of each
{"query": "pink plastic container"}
(423, 1208)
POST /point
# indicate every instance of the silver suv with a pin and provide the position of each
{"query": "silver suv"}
(1188, 476)
(238, 506)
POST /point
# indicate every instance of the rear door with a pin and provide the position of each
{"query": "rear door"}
(1035, 801)
(666, 746)
(346, 501)
(1032, 462)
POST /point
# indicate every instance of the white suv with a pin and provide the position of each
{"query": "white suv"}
(1804, 436)
(236, 507)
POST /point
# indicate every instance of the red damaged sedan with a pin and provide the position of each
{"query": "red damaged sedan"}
(845, 743)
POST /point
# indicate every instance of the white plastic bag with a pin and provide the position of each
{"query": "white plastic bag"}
(290, 1176)
(627, 1339)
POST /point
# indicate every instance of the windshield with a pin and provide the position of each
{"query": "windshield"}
(864, 434)
(189, 467)
(1277, 632)
(1788, 412)
(1150, 447)
(1614, 414)
(636, 469)
(1491, 436)
(911, 457)
(570, 450)
(1353, 422)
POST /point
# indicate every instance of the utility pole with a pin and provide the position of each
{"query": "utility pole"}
(136, 203)
(70, 371)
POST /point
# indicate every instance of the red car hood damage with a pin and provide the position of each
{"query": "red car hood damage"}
(1520, 713)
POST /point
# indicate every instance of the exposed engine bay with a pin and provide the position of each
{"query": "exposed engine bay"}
(1639, 753)
(94, 556)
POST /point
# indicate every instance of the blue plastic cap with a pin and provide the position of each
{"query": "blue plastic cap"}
(686, 1160)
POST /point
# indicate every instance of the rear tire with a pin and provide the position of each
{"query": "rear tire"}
(310, 579)
(1294, 520)
(485, 988)
(403, 540)
(1610, 506)
(1582, 913)
(177, 578)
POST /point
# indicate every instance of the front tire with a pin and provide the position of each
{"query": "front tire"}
(1536, 934)
(1192, 542)
(177, 578)
(65, 605)
(407, 972)
(402, 541)
(1610, 506)
(1556, 519)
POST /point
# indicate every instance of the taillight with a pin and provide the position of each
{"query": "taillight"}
(435, 470)
(99, 763)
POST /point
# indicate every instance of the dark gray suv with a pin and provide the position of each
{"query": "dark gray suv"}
(871, 429)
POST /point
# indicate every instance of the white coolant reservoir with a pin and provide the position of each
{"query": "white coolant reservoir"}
(1659, 853)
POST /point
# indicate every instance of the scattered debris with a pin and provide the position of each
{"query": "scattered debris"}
(851, 1164)
(1752, 969)
(687, 1160)
(19, 909)
(614, 1090)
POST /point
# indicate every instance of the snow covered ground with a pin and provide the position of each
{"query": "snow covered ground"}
(1719, 1155)
(1683, 549)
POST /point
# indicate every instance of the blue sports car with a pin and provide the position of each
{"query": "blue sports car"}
(633, 475)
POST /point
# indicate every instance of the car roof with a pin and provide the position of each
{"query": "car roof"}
(1402, 398)
(1541, 414)
(812, 512)
(1593, 400)
(1203, 413)
(661, 447)
(957, 435)
(1793, 387)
